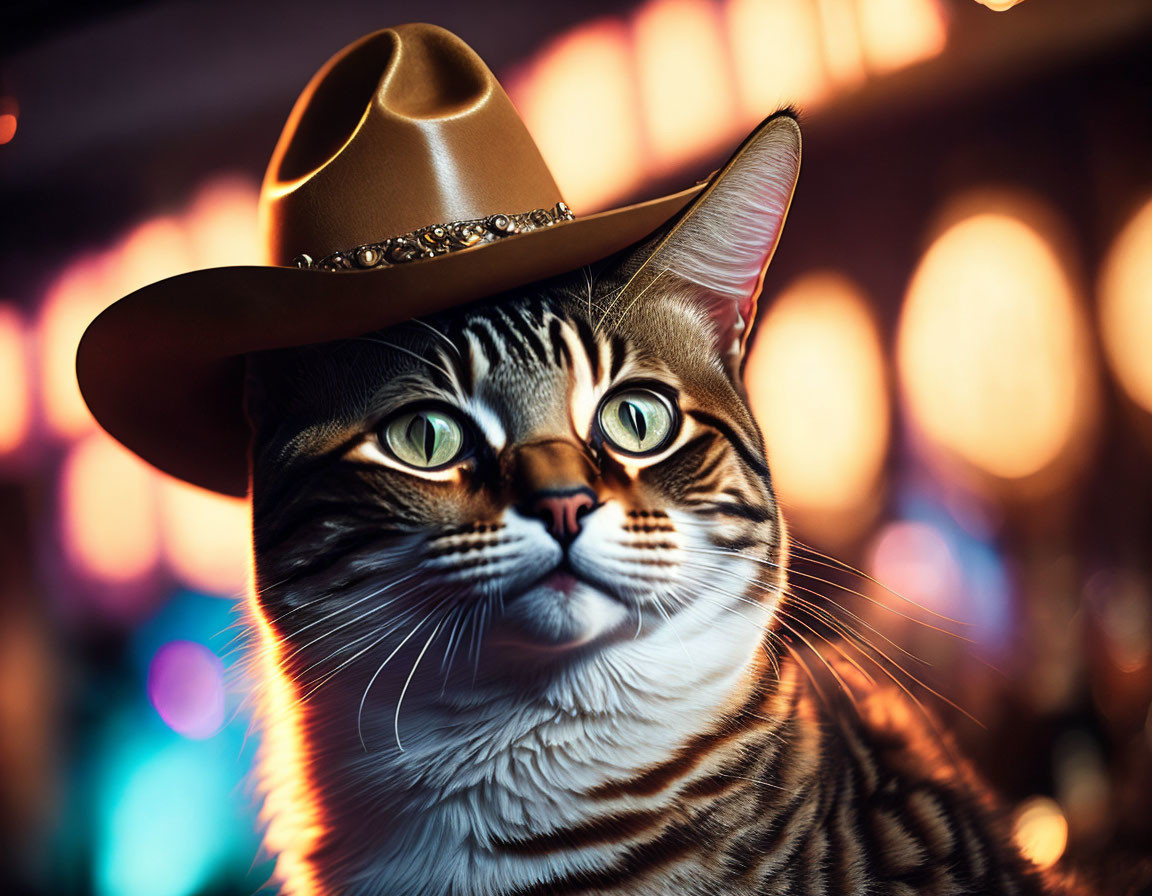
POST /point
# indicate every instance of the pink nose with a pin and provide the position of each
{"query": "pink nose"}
(562, 511)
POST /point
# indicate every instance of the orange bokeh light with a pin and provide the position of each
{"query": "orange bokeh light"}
(843, 52)
(776, 50)
(110, 529)
(579, 101)
(152, 251)
(685, 82)
(1040, 831)
(205, 538)
(15, 396)
(221, 225)
(80, 293)
(999, 5)
(992, 347)
(817, 385)
(899, 33)
(1126, 306)
(8, 123)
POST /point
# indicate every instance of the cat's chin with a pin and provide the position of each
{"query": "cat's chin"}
(559, 613)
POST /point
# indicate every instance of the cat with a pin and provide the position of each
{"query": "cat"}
(518, 568)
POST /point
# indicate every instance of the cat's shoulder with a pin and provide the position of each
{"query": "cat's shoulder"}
(916, 799)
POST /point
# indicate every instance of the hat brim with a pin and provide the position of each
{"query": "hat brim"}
(162, 368)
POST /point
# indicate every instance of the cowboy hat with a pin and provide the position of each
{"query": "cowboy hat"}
(404, 183)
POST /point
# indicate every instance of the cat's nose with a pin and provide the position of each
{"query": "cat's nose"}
(562, 510)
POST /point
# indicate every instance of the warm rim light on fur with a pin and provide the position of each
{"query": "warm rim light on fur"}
(290, 809)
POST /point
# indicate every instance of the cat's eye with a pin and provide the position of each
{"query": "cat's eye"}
(426, 439)
(637, 421)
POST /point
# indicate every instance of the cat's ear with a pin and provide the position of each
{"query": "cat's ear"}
(722, 244)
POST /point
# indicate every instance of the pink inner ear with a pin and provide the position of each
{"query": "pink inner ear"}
(727, 240)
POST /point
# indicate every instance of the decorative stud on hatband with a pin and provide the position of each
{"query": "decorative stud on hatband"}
(437, 239)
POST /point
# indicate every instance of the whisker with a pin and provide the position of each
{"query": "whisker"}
(784, 617)
(460, 614)
(394, 626)
(792, 571)
(376, 674)
(452, 345)
(325, 596)
(619, 317)
(408, 681)
(817, 558)
(411, 354)
(668, 621)
(296, 651)
(839, 650)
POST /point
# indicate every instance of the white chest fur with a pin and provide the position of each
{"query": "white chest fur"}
(484, 766)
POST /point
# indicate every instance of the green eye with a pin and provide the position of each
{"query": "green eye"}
(637, 421)
(424, 439)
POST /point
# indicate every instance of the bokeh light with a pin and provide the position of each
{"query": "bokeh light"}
(899, 33)
(685, 87)
(167, 820)
(1120, 601)
(153, 250)
(611, 104)
(1126, 306)
(80, 293)
(1083, 782)
(29, 711)
(1040, 830)
(579, 102)
(206, 537)
(816, 381)
(949, 564)
(776, 51)
(843, 53)
(109, 511)
(15, 391)
(999, 5)
(915, 560)
(9, 119)
(186, 686)
(221, 223)
(992, 351)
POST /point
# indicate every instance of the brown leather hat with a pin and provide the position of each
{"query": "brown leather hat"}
(406, 170)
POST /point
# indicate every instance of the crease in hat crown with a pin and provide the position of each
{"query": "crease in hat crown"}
(405, 129)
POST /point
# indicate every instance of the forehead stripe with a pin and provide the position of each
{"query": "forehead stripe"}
(487, 344)
(591, 349)
(509, 340)
(619, 352)
(560, 351)
(527, 331)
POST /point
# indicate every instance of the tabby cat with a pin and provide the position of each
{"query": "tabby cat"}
(518, 566)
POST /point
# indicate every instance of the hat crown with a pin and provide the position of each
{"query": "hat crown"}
(405, 128)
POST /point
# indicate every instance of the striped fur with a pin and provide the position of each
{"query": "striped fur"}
(440, 720)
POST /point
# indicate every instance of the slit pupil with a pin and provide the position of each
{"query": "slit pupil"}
(633, 418)
(421, 436)
(429, 440)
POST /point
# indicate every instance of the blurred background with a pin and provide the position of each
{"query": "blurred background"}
(954, 375)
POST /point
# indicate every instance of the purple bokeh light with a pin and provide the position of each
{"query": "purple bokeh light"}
(186, 685)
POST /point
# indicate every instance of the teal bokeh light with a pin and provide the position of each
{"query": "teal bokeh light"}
(174, 816)
(166, 824)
